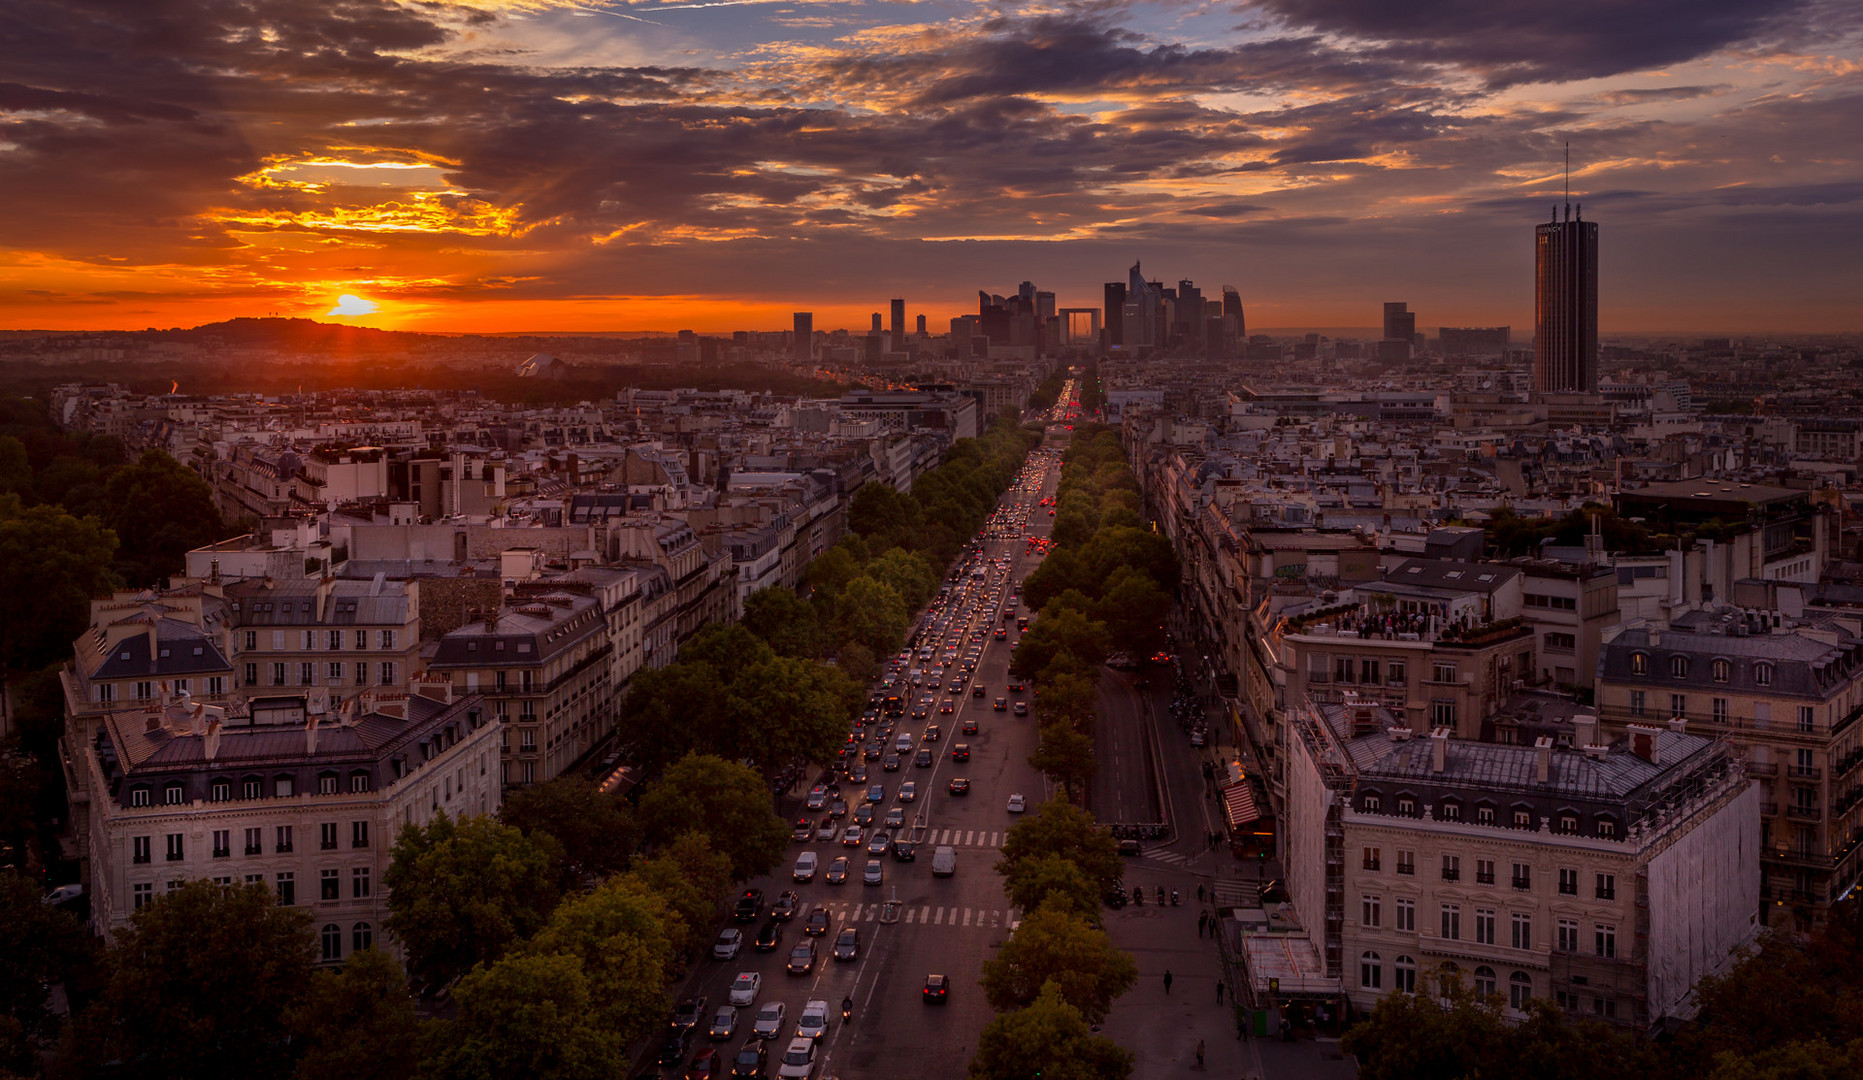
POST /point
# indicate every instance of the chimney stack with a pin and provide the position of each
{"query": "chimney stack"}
(1542, 759)
(211, 743)
(310, 734)
(1643, 742)
(1439, 749)
(1584, 729)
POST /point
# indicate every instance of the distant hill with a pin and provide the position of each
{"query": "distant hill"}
(297, 335)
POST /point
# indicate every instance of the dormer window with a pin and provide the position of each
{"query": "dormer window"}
(1639, 663)
(1406, 805)
(1721, 670)
(1371, 803)
(139, 796)
(1762, 674)
(1678, 667)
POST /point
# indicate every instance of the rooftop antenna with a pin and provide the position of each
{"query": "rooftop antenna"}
(1568, 181)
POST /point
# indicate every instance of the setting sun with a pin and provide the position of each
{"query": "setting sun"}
(349, 304)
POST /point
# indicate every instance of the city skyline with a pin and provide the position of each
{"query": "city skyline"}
(526, 165)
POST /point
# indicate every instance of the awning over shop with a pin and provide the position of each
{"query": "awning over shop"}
(1239, 804)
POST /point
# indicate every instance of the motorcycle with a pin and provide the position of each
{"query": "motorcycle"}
(1173, 897)
(1138, 895)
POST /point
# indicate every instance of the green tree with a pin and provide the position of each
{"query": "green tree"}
(671, 712)
(528, 1017)
(908, 574)
(726, 802)
(1050, 1039)
(786, 710)
(784, 620)
(1062, 829)
(1065, 755)
(871, 614)
(1051, 879)
(1812, 1059)
(201, 983)
(692, 878)
(51, 565)
(462, 892)
(1145, 551)
(618, 933)
(829, 572)
(358, 1022)
(1069, 698)
(160, 510)
(15, 469)
(1060, 632)
(42, 945)
(1056, 947)
(596, 831)
(1134, 608)
(883, 515)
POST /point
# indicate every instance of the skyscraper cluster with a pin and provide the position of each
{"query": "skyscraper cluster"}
(1143, 314)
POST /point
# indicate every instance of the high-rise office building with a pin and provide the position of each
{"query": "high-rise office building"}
(1115, 314)
(804, 341)
(899, 325)
(1400, 323)
(1565, 306)
(1232, 310)
(876, 323)
(1144, 310)
(921, 325)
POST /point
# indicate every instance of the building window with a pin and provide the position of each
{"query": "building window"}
(361, 937)
(1452, 867)
(1568, 881)
(1407, 915)
(387, 639)
(174, 846)
(284, 787)
(222, 843)
(1484, 982)
(1762, 674)
(358, 834)
(216, 685)
(329, 885)
(1368, 672)
(327, 783)
(1370, 972)
(252, 788)
(335, 640)
(1561, 643)
(1807, 718)
(1442, 713)
(1484, 926)
(1678, 667)
(1371, 911)
(1406, 862)
(139, 847)
(1607, 828)
(253, 844)
(1678, 704)
(287, 888)
(1523, 819)
(1639, 663)
(333, 671)
(252, 674)
(307, 674)
(1371, 858)
(359, 883)
(1607, 886)
(1406, 806)
(1523, 930)
(1484, 871)
(1452, 922)
(139, 796)
(1523, 875)
(1567, 937)
(1404, 975)
(332, 943)
(174, 794)
(1721, 670)
(1394, 673)
(220, 791)
(278, 673)
(326, 836)
(282, 841)
(1452, 811)
(362, 673)
(1604, 940)
(358, 782)
(388, 673)
(143, 894)
(1342, 669)
(1568, 824)
(1519, 989)
(1604, 1007)
(1372, 803)
(1638, 703)
(1484, 815)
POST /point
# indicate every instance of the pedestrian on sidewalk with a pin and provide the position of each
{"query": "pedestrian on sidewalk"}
(1203, 921)
(1199, 892)
(1219, 991)
(1167, 980)
(1199, 1053)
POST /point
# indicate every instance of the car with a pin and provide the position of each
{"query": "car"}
(960, 751)
(904, 851)
(745, 987)
(947, 709)
(837, 809)
(908, 791)
(954, 689)
(895, 817)
(874, 873)
(890, 763)
(923, 759)
(1002, 633)
(932, 733)
(813, 1023)
(798, 1060)
(851, 837)
(802, 957)
(970, 727)
(724, 1024)
(847, 943)
(977, 691)
(729, 941)
(673, 1048)
(870, 752)
(960, 786)
(937, 989)
(836, 873)
(1017, 804)
(705, 1065)
(818, 797)
(818, 923)
(876, 793)
(787, 903)
(877, 843)
(858, 774)
(749, 905)
(1000, 704)
(688, 1012)
(769, 936)
(825, 829)
(1022, 708)
(1017, 687)
(751, 1061)
(803, 832)
(769, 1022)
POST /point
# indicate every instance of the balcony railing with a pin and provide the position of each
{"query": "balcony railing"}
(1804, 772)
(1804, 813)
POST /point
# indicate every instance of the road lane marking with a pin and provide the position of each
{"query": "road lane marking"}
(970, 838)
(924, 913)
(938, 919)
(966, 916)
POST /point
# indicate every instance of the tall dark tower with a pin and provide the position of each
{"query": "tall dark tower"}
(1115, 314)
(899, 325)
(1565, 305)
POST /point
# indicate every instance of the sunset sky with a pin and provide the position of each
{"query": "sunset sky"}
(714, 164)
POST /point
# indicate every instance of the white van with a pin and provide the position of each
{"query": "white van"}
(805, 867)
(944, 861)
(902, 743)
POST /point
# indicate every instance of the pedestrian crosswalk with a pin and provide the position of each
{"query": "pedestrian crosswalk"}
(1171, 857)
(961, 918)
(964, 838)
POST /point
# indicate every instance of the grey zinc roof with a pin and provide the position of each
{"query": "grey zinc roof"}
(295, 603)
(1455, 576)
(1797, 660)
(189, 652)
(254, 746)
